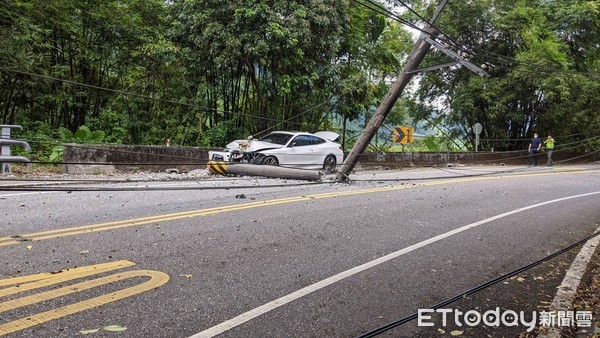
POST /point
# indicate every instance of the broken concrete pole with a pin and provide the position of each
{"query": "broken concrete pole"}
(223, 168)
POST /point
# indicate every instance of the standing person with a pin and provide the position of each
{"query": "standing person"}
(534, 148)
(549, 143)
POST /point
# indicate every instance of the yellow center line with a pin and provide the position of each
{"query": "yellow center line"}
(162, 219)
(137, 221)
(8, 243)
(72, 231)
(150, 218)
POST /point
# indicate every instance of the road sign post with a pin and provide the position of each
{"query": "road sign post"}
(477, 128)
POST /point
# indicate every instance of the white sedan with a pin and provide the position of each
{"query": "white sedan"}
(289, 149)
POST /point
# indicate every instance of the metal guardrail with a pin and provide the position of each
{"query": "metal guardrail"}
(6, 159)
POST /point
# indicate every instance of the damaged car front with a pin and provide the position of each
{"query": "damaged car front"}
(288, 149)
(247, 151)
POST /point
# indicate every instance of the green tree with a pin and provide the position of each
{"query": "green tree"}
(96, 42)
(259, 62)
(535, 48)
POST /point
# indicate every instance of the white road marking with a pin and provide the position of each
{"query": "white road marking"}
(29, 193)
(563, 301)
(247, 316)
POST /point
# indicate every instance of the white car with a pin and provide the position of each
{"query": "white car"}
(289, 149)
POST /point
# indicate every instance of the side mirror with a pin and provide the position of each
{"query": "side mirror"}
(293, 144)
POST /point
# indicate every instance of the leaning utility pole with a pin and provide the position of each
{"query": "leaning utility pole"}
(416, 56)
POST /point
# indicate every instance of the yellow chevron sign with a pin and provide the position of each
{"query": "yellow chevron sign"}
(403, 134)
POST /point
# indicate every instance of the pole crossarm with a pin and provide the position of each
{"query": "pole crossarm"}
(427, 69)
(456, 57)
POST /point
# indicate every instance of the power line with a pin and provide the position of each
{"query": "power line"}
(377, 8)
(453, 43)
(391, 15)
(279, 122)
(509, 59)
(60, 184)
(498, 56)
(293, 117)
(148, 188)
(478, 288)
(116, 91)
(419, 16)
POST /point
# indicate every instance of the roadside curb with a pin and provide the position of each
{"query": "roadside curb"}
(588, 297)
(578, 294)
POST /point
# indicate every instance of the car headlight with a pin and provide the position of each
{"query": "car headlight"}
(217, 157)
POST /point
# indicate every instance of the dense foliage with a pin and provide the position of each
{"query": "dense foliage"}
(202, 72)
(544, 61)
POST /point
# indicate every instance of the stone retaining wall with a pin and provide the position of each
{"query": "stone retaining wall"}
(469, 158)
(125, 158)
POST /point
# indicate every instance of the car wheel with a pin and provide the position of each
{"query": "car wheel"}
(257, 159)
(270, 160)
(329, 164)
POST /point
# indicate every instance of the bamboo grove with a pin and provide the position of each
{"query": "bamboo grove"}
(202, 72)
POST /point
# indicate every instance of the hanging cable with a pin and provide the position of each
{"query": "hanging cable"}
(478, 288)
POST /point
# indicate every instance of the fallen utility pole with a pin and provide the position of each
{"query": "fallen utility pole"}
(416, 56)
(245, 169)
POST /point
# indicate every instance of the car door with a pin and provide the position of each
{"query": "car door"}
(320, 150)
(299, 152)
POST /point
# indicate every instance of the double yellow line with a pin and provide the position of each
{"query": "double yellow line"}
(44, 280)
(59, 233)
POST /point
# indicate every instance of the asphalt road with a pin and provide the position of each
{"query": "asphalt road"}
(328, 260)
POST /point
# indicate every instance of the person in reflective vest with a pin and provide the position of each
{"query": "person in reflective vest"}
(549, 143)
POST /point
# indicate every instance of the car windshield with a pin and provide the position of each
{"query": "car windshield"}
(277, 138)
